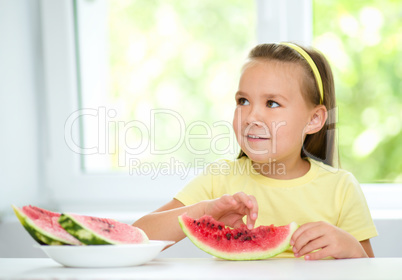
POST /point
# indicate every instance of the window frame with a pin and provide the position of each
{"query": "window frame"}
(65, 183)
(67, 186)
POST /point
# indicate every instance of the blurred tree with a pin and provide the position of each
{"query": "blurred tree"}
(184, 56)
(362, 40)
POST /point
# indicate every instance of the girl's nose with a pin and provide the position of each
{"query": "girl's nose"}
(256, 123)
(254, 117)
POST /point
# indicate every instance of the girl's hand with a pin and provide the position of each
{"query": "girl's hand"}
(230, 209)
(329, 240)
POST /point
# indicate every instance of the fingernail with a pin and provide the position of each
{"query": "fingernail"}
(292, 242)
(254, 216)
(307, 257)
(296, 255)
(250, 226)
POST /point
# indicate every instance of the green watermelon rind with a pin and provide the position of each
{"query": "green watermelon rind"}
(241, 256)
(86, 235)
(41, 236)
(82, 233)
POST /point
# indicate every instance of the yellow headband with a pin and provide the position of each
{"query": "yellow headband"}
(317, 75)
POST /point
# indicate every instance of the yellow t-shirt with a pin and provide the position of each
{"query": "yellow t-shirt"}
(322, 194)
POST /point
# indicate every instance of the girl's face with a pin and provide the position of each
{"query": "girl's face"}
(271, 113)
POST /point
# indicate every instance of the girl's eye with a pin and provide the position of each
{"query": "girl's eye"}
(272, 104)
(242, 101)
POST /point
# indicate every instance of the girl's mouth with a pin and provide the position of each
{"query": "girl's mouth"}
(255, 138)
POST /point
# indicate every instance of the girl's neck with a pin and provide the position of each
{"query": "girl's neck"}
(284, 170)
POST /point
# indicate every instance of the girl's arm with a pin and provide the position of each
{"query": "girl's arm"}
(367, 248)
(329, 241)
(163, 224)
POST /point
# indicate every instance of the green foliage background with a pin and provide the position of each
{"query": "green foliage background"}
(186, 56)
(363, 39)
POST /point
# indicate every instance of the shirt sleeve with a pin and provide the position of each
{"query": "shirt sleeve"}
(198, 189)
(355, 216)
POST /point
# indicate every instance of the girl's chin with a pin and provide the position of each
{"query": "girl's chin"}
(261, 158)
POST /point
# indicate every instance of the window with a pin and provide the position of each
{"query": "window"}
(79, 182)
(361, 40)
(157, 82)
(118, 95)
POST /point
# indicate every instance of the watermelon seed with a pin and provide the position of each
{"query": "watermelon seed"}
(228, 235)
(247, 238)
(212, 226)
(235, 237)
(220, 227)
(198, 223)
(194, 221)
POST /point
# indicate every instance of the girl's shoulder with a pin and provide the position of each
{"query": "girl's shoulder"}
(332, 173)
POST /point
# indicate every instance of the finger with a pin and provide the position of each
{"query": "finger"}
(252, 212)
(249, 202)
(243, 198)
(320, 254)
(227, 200)
(251, 207)
(307, 236)
(300, 231)
(316, 244)
(238, 223)
(241, 202)
(219, 206)
(254, 208)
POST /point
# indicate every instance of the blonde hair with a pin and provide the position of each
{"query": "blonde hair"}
(321, 145)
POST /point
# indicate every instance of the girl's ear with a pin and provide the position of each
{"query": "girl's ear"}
(317, 119)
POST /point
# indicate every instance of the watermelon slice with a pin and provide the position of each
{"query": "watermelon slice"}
(42, 225)
(237, 244)
(97, 231)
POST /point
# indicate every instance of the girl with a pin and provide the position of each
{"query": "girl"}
(284, 125)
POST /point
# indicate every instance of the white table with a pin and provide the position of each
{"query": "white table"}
(210, 268)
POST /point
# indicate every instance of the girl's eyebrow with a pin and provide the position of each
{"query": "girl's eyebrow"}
(239, 93)
(266, 95)
(274, 96)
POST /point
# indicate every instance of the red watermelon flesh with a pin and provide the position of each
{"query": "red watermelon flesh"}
(95, 230)
(44, 227)
(237, 244)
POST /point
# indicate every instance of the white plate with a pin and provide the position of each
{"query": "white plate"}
(105, 255)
